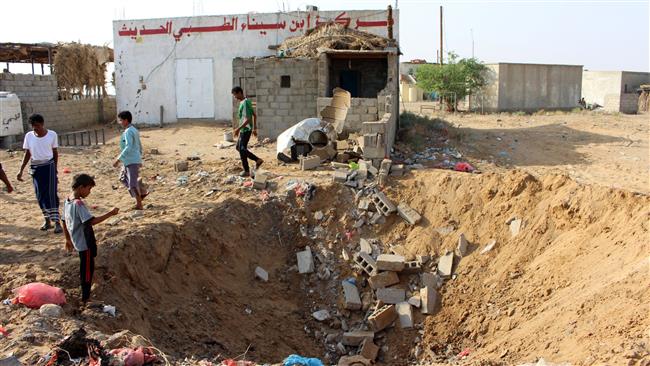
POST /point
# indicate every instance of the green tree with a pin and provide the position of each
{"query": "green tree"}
(459, 77)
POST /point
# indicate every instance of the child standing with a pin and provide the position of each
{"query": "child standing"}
(78, 225)
(41, 152)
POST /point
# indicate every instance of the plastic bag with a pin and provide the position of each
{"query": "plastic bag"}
(300, 360)
(35, 294)
(463, 167)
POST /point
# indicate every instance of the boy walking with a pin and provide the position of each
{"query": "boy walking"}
(78, 223)
(247, 126)
(41, 151)
(131, 158)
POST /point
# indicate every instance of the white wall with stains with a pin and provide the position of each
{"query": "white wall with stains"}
(146, 52)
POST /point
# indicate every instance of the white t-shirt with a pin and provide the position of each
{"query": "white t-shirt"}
(41, 147)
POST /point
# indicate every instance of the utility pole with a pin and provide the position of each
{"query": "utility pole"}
(441, 52)
(471, 30)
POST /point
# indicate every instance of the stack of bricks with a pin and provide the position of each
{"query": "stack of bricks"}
(374, 139)
(361, 110)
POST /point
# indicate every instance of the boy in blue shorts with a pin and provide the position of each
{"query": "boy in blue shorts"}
(78, 225)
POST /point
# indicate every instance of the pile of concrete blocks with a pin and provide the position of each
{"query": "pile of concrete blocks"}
(373, 142)
(394, 304)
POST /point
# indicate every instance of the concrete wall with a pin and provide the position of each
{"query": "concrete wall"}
(487, 99)
(597, 84)
(279, 108)
(372, 75)
(531, 87)
(145, 63)
(38, 94)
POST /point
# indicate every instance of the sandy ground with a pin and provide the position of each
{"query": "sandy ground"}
(572, 286)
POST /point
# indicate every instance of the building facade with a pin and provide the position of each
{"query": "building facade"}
(176, 69)
(615, 91)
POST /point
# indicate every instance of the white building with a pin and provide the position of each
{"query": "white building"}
(178, 69)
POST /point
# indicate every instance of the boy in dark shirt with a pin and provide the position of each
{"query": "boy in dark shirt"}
(78, 228)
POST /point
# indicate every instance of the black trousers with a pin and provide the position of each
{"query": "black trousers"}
(86, 271)
(244, 153)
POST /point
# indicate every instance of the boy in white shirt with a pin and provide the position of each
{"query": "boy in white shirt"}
(41, 152)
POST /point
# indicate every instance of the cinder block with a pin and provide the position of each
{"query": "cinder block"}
(397, 170)
(373, 127)
(305, 261)
(446, 264)
(369, 350)
(356, 337)
(390, 295)
(260, 181)
(364, 204)
(340, 176)
(181, 166)
(408, 214)
(428, 299)
(385, 165)
(370, 152)
(352, 300)
(365, 261)
(463, 246)
(383, 204)
(382, 318)
(390, 262)
(383, 279)
(405, 314)
(412, 267)
(364, 246)
(309, 162)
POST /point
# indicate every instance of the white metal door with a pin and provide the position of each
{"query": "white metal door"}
(194, 88)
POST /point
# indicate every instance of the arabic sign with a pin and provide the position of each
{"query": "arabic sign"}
(249, 23)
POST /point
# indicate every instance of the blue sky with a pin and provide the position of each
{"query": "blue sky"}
(601, 35)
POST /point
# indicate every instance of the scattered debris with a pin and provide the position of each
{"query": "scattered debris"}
(262, 274)
(321, 315)
(50, 310)
(489, 246)
(305, 261)
(515, 226)
(445, 265)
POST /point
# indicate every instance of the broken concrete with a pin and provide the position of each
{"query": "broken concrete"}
(352, 300)
(431, 280)
(489, 246)
(383, 279)
(366, 262)
(446, 264)
(261, 274)
(340, 176)
(382, 317)
(408, 214)
(405, 314)
(364, 246)
(390, 262)
(305, 261)
(428, 299)
(369, 350)
(181, 166)
(390, 295)
(463, 246)
(415, 300)
(356, 337)
(515, 226)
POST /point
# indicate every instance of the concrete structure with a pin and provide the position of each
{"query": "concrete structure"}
(288, 90)
(39, 94)
(614, 90)
(409, 91)
(529, 87)
(181, 68)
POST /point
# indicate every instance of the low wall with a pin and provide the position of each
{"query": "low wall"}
(38, 94)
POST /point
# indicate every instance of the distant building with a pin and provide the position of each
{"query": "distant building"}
(615, 91)
(409, 91)
(529, 87)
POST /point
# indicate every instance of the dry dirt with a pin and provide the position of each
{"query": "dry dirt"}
(572, 286)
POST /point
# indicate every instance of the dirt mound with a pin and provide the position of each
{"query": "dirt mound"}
(191, 288)
(570, 286)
